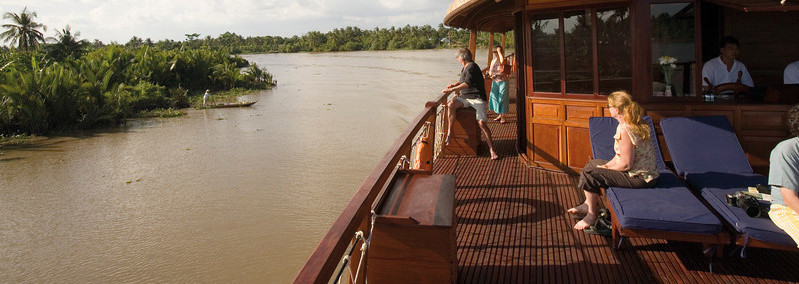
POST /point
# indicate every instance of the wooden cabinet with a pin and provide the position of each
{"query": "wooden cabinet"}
(558, 132)
(414, 238)
(465, 133)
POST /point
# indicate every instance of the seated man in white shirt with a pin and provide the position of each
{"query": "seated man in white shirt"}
(791, 75)
(725, 70)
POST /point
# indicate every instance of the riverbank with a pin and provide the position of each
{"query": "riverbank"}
(18, 139)
(107, 85)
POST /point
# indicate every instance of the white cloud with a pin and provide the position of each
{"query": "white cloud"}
(119, 20)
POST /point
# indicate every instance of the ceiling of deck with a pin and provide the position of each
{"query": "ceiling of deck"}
(759, 5)
(497, 15)
(483, 15)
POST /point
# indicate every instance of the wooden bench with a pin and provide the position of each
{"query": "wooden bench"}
(465, 133)
(414, 239)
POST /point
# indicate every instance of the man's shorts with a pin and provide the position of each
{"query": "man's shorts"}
(477, 104)
(786, 219)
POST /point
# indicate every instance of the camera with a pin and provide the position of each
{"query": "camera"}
(746, 202)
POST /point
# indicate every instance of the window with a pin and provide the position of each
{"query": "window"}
(615, 50)
(546, 53)
(673, 50)
(576, 51)
(579, 52)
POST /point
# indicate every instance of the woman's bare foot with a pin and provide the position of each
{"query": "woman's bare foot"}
(586, 222)
(502, 121)
(579, 209)
(498, 118)
(494, 155)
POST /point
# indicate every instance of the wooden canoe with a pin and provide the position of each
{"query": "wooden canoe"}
(224, 105)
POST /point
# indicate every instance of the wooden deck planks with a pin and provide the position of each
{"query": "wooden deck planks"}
(512, 228)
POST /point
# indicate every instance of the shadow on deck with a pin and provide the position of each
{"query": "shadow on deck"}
(512, 228)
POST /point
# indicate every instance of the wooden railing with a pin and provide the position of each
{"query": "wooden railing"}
(326, 257)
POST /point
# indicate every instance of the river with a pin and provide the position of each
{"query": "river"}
(217, 195)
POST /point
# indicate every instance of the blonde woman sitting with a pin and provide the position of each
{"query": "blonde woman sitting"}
(633, 166)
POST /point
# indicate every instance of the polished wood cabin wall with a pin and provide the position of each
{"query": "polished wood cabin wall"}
(558, 136)
(557, 133)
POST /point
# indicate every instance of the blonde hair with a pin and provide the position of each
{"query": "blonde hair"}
(631, 113)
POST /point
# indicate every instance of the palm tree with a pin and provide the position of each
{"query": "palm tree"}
(23, 29)
(66, 44)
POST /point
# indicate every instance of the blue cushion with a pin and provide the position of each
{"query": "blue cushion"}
(602, 130)
(669, 206)
(715, 186)
(759, 228)
(704, 144)
(737, 181)
(707, 153)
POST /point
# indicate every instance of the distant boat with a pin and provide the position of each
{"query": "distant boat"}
(223, 105)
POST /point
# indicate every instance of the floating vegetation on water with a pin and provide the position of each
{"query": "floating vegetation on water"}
(161, 113)
(18, 139)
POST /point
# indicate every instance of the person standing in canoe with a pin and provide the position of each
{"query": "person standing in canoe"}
(206, 97)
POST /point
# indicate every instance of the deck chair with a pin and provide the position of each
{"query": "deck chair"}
(667, 211)
(706, 152)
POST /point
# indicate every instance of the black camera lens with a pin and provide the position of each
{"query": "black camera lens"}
(750, 205)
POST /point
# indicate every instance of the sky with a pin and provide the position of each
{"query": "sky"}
(120, 20)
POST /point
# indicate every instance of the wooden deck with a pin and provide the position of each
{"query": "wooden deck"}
(512, 228)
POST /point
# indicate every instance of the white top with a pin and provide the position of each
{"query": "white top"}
(791, 75)
(644, 162)
(716, 71)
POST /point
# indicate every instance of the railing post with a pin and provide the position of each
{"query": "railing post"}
(431, 136)
(490, 50)
(473, 44)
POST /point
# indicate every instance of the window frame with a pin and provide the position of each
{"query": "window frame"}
(562, 51)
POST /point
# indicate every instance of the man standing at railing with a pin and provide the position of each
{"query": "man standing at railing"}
(472, 94)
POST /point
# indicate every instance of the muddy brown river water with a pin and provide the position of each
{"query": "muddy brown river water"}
(217, 195)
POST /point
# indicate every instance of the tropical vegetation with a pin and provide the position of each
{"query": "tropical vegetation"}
(67, 83)
(23, 30)
(340, 39)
